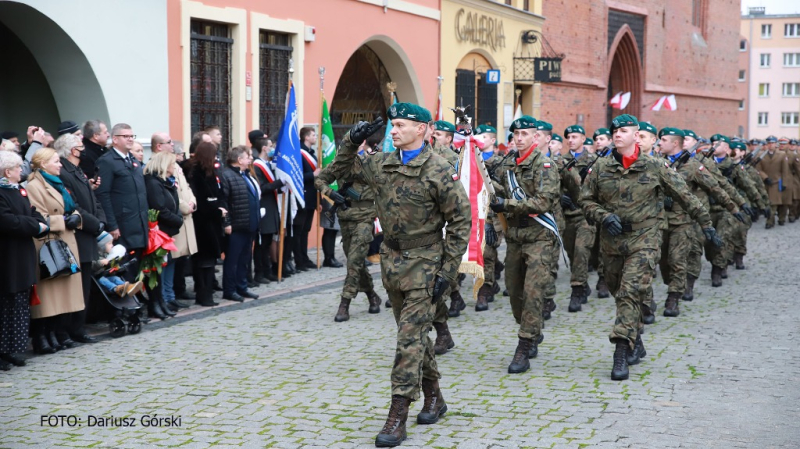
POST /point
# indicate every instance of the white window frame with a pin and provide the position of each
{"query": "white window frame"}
(766, 90)
(762, 57)
(768, 28)
(742, 75)
(741, 105)
(790, 119)
(790, 90)
(763, 119)
(743, 45)
(794, 27)
(793, 59)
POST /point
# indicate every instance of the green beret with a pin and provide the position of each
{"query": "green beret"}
(689, 133)
(717, 137)
(601, 132)
(574, 129)
(647, 126)
(738, 146)
(480, 129)
(623, 120)
(524, 122)
(441, 125)
(409, 111)
(557, 137)
(541, 125)
(588, 141)
(671, 132)
(510, 137)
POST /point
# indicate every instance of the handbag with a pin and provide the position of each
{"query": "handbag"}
(56, 260)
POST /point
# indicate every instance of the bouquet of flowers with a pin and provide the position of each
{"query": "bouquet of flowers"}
(159, 245)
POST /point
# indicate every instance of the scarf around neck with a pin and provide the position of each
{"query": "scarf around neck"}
(56, 183)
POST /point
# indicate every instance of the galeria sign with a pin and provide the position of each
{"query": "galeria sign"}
(480, 29)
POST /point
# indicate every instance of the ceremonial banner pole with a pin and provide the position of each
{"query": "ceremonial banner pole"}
(284, 203)
(319, 162)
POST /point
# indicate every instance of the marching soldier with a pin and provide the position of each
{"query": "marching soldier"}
(416, 193)
(790, 148)
(648, 136)
(689, 139)
(527, 196)
(492, 230)
(624, 193)
(774, 170)
(356, 214)
(556, 144)
(602, 139)
(755, 195)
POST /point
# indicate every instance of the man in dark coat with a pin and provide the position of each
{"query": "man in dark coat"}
(95, 136)
(70, 148)
(305, 217)
(122, 192)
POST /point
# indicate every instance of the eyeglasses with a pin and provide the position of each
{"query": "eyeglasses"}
(169, 142)
(126, 136)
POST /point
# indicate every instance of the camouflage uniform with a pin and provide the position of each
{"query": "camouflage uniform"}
(737, 237)
(489, 251)
(357, 224)
(578, 233)
(629, 259)
(413, 202)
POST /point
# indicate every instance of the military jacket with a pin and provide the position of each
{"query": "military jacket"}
(775, 166)
(448, 154)
(794, 168)
(711, 165)
(702, 185)
(584, 160)
(361, 210)
(414, 201)
(736, 175)
(570, 184)
(759, 183)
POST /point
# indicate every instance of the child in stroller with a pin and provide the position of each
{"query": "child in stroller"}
(106, 268)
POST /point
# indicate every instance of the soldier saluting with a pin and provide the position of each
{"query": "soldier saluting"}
(416, 193)
(624, 193)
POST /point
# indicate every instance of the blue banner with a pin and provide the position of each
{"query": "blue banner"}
(288, 160)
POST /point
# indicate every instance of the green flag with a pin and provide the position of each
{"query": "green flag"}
(327, 143)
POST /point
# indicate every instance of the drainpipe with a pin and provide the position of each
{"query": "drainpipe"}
(749, 77)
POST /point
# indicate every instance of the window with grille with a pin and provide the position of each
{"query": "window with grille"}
(275, 51)
(210, 76)
(763, 118)
(487, 103)
(790, 118)
(791, 30)
(741, 75)
(765, 59)
(465, 89)
(763, 90)
(791, 59)
(766, 31)
(791, 89)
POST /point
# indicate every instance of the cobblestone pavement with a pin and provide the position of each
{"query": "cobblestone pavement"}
(278, 372)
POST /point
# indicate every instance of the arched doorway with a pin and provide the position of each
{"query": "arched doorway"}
(472, 89)
(625, 74)
(50, 79)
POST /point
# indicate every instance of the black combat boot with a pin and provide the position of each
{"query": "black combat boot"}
(374, 302)
(457, 304)
(343, 314)
(648, 317)
(738, 258)
(620, 369)
(671, 308)
(534, 350)
(548, 307)
(485, 296)
(520, 363)
(602, 288)
(434, 406)
(635, 356)
(394, 431)
(444, 341)
(688, 295)
(716, 276)
(576, 299)
(388, 304)
(586, 292)
(724, 273)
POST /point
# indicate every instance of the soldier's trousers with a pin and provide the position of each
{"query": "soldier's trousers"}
(781, 210)
(594, 258)
(440, 316)
(578, 243)
(726, 226)
(795, 209)
(529, 256)
(739, 238)
(629, 278)
(356, 237)
(489, 259)
(675, 253)
(695, 263)
(414, 358)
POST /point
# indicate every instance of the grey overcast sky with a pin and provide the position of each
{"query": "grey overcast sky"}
(773, 6)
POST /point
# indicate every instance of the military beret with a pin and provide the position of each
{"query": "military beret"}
(601, 132)
(717, 137)
(671, 132)
(623, 120)
(409, 111)
(480, 129)
(647, 126)
(524, 122)
(689, 133)
(541, 125)
(557, 137)
(67, 127)
(574, 129)
(772, 139)
(441, 125)
(510, 137)
(588, 141)
(738, 146)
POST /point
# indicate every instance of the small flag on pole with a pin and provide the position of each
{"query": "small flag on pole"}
(289, 165)
(667, 102)
(620, 100)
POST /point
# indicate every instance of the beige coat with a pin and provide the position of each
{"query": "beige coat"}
(63, 294)
(185, 240)
(776, 166)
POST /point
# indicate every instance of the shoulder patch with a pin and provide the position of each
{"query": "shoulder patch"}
(546, 165)
(701, 167)
(455, 176)
(666, 164)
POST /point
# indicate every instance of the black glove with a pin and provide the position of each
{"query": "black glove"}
(767, 212)
(439, 287)
(711, 236)
(491, 234)
(668, 203)
(72, 221)
(498, 205)
(739, 216)
(336, 197)
(749, 211)
(100, 229)
(362, 130)
(767, 182)
(566, 203)
(612, 224)
(782, 189)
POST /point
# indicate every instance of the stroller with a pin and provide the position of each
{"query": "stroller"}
(122, 312)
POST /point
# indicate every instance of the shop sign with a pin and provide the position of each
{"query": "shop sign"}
(480, 29)
(492, 77)
(547, 70)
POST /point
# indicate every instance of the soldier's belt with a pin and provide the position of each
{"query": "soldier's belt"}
(402, 245)
(520, 222)
(630, 227)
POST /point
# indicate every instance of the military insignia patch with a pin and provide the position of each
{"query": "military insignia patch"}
(701, 168)
(455, 176)
(546, 165)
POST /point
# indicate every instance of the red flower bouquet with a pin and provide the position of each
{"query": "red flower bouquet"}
(159, 245)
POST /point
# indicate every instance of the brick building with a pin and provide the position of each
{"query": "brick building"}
(650, 48)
